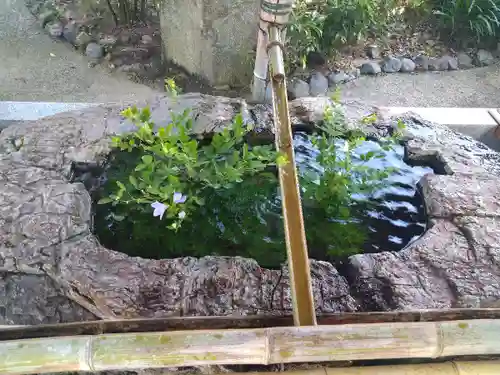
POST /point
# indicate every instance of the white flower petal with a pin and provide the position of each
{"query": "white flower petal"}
(179, 198)
(159, 209)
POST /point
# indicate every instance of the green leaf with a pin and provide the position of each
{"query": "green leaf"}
(105, 200)
(140, 167)
(145, 115)
(147, 159)
(133, 181)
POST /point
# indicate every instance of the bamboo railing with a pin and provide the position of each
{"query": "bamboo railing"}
(189, 323)
(258, 346)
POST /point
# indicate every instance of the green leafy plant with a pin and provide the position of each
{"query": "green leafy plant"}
(171, 87)
(304, 33)
(345, 174)
(174, 167)
(170, 194)
(464, 18)
(323, 26)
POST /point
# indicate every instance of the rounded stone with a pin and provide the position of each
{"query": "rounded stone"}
(484, 58)
(464, 61)
(108, 41)
(338, 77)
(370, 68)
(298, 88)
(55, 29)
(391, 65)
(146, 39)
(70, 32)
(94, 51)
(82, 39)
(421, 62)
(447, 63)
(437, 65)
(407, 65)
(318, 84)
(373, 52)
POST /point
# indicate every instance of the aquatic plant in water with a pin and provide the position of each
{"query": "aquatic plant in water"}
(170, 194)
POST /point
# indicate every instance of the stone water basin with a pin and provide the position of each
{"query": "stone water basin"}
(55, 270)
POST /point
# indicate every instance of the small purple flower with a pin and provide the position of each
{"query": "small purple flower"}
(179, 198)
(159, 209)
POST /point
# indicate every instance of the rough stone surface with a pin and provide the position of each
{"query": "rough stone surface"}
(54, 270)
(457, 260)
(391, 65)
(318, 84)
(407, 65)
(370, 68)
(484, 57)
(464, 61)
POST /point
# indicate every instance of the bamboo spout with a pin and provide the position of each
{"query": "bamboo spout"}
(298, 262)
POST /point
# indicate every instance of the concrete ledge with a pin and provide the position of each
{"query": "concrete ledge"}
(28, 111)
(449, 115)
(477, 123)
(15, 112)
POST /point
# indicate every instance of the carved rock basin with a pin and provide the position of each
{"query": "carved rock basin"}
(54, 270)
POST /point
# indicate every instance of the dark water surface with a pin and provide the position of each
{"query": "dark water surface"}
(397, 215)
(251, 224)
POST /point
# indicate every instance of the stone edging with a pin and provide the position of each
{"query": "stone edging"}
(127, 51)
(317, 83)
(54, 270)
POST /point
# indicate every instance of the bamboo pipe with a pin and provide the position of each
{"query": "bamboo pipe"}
(295, 236)
(272, 12)
(261, 66)
(265, 346)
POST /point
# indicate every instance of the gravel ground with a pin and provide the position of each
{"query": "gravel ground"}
(478, 87)
(33, 67)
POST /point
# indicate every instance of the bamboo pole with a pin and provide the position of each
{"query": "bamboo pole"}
(98, 327)
(261, 66)
(298, 262)
(265, 346)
